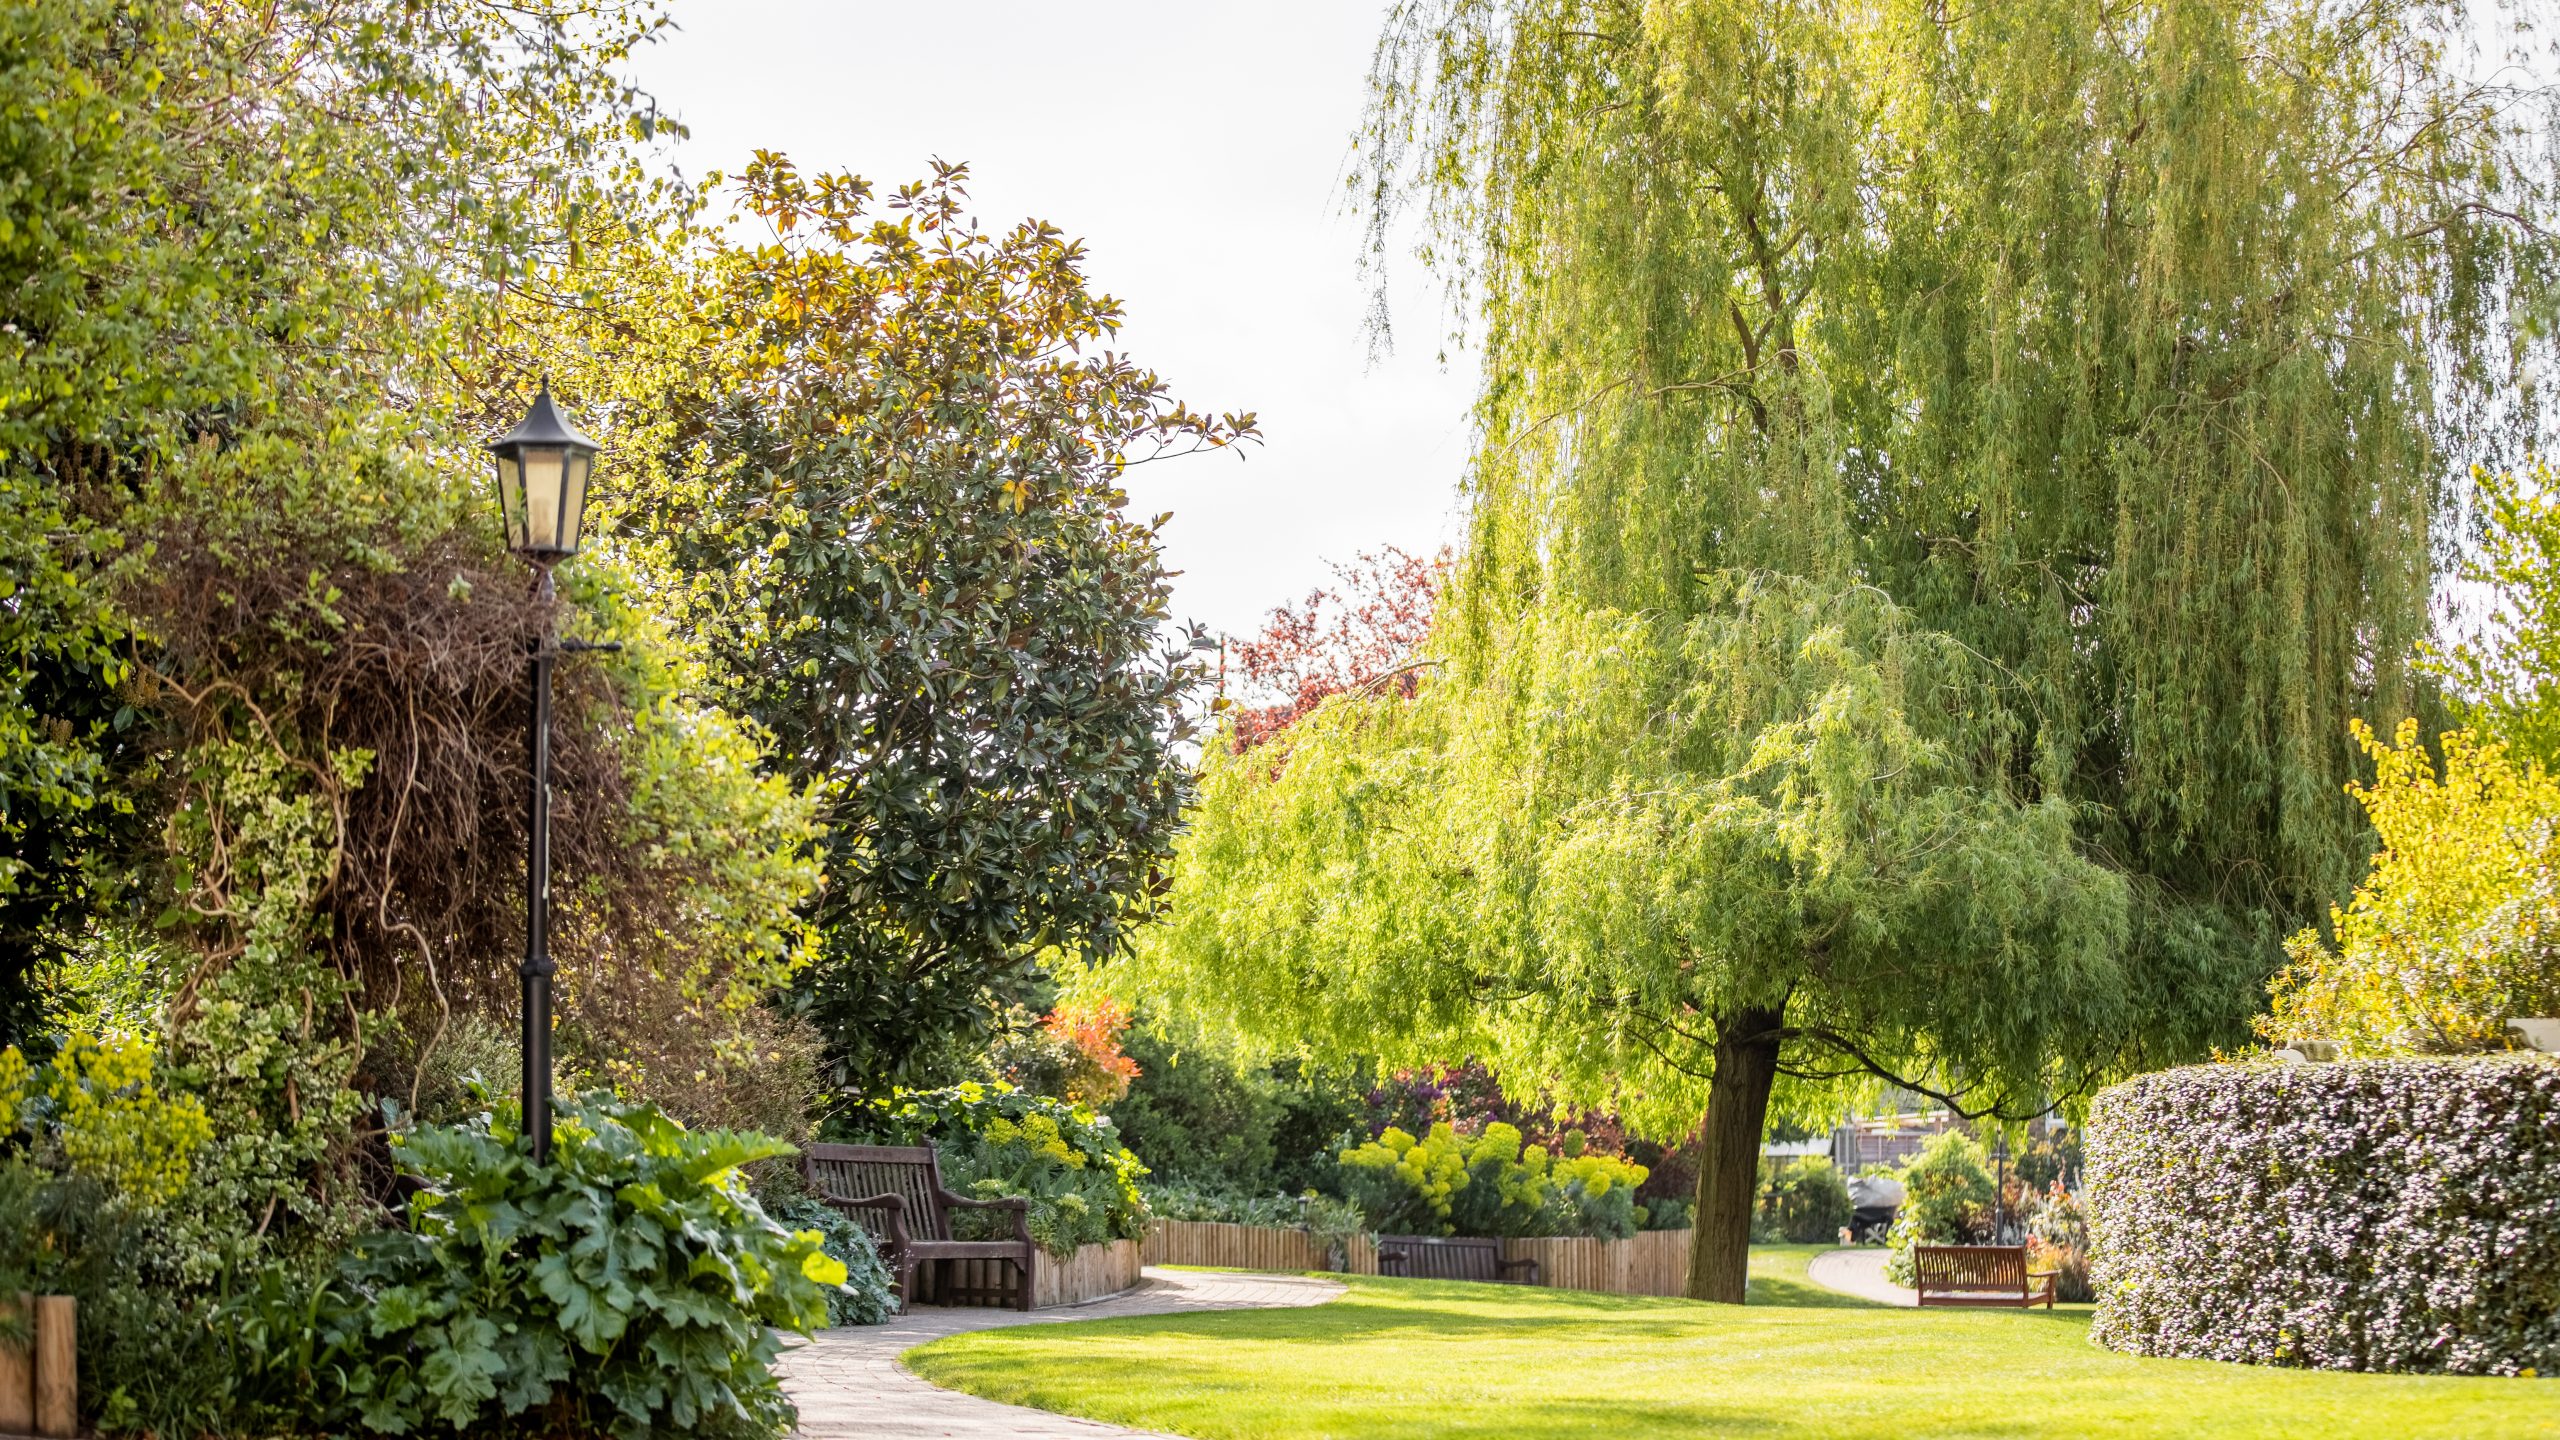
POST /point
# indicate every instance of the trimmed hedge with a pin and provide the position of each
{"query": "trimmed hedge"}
(2372, 1215)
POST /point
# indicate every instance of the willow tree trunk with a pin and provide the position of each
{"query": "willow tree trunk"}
(1729, 1164)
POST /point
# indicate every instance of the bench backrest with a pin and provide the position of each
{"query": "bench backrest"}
(1433, 1257)
(1971, 1267)
(913, 1173)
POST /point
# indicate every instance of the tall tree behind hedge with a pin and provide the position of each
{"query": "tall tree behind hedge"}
(2139, 345)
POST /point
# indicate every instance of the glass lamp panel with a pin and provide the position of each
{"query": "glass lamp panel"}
(573, 500)
(511, 499)
(543, 472)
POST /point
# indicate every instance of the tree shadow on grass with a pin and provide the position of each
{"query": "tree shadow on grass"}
(1804, 1295)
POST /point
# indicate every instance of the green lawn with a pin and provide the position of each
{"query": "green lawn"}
(1413, 1359)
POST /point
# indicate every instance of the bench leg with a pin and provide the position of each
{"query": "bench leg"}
(1022, 1293)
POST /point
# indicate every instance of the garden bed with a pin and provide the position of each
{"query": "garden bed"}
(1093, 1272)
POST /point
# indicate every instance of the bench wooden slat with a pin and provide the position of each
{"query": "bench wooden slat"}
(1443, 1257)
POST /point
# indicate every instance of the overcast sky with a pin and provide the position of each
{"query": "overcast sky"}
(1198, 150)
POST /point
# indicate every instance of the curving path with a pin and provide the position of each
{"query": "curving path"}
(1859, 1273)
(850, 1386)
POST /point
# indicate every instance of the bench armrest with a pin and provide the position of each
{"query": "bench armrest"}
(1394, 1262)
(894, 1205)
(1020, 1207)
(1505, 1267)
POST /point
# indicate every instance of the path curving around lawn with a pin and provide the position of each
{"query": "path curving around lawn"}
(849, 1384)
(1859, 1273)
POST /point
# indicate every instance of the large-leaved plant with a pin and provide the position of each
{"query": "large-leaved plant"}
(629, 1285)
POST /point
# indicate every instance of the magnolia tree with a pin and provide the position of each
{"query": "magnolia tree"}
(876, 468)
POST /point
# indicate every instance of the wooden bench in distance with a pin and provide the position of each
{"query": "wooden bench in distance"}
(896, 1193)
(1980, 1275)
(1437, 1257)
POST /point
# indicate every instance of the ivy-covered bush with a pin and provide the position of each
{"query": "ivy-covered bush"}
(1947, 1200)
(1804, 1204)
(2372, 1215)
(996, 1141)
(631, 1285)
(1487, 1184)
(864, 1297)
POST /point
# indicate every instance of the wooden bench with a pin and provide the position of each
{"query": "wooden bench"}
(1980, 1275)
(896, 1193)
(1439, 1257)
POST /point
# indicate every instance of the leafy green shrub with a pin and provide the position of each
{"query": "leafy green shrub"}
(2051, 1160)
(1947, 1200)
(1666, 1214)
(1592, 1195)
(630, 1285)
(864, 1297)
(1488, 1184)
(996, 1141)
(1224, 1207)
(1197, 1116)
(2372, 1215)
(1805, 1203)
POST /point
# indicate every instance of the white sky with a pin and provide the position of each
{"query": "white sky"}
(1198, 149)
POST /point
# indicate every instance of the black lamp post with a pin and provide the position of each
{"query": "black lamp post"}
(543, 465)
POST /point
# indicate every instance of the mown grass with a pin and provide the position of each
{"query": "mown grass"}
(1417, 1360)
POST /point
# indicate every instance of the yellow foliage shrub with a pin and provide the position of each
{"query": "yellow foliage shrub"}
(2457, 928)
(96, 1110)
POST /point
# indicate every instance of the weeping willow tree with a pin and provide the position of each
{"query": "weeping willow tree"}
(2134, 350)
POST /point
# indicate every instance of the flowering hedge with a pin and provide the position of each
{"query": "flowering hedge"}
(2372, 1215)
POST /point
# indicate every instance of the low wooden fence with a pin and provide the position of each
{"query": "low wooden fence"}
(1652, 1262)
(1655, 1262)
(1252, 1247)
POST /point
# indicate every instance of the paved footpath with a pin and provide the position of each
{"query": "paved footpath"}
(1859, 1273)
(850, 1386)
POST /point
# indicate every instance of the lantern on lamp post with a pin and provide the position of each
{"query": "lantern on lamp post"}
(543, 467)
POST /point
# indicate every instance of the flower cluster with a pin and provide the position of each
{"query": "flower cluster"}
(1444, 1183)
(2372, 1215)
(97, 1109)
(1037, 1134)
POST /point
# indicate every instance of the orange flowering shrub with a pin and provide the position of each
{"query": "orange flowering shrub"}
(1087, 1033)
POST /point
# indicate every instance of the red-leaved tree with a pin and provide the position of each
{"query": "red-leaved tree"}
(1362, 631)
